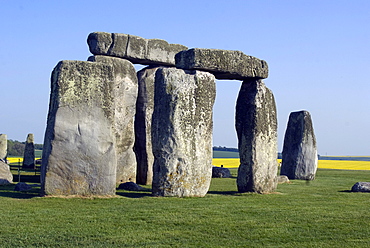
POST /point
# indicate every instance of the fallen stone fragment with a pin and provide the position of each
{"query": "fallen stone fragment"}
(256, 127)
(219, 172)
(182, 132)
(282, 179)
(29, 152)
(131, 186)
(299, 157)
(361, 187)
(224, 64)
(6, 177)
(134, 48)
(22, 187)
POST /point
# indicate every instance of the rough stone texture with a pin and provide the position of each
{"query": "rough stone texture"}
(124, 98)
(6, 177)
(143, 125)
(256, 127)
(22, 187)
(282, 179)
(224, 64)
(361, 187)
(134, 48)
(79, 156)
(299, 158)
(130, 186)
(219, 172)
(29, 152)
(182, 132)
(3, 146)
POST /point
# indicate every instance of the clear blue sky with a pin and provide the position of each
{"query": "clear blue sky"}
(318, 53)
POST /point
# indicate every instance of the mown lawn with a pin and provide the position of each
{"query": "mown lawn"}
(321, 213)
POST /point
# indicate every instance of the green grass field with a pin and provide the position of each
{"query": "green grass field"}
(321, 213)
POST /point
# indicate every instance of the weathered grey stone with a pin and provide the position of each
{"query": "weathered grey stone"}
(299, 158)
(131, 186)
(143, 125)
(224, 64)
(219, 172)
(134, 48)
(79, 156)
(361, 187)
(22, 187)
(182, 132)
(6, 177)
(124, 99)
(256, 127)
(29, 152)
(3, 146)
(282, 179)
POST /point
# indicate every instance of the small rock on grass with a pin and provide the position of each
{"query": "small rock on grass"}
(361, 187)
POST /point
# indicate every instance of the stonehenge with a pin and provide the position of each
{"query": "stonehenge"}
(108, 124)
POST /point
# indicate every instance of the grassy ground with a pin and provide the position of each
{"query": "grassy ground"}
(321, 213)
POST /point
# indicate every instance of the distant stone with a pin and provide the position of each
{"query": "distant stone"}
(256, 127)
(29, 152)
(6, 177)
(124, 100)
(22, 187)
(143, 125)
(282, 179)
(3, 146)
(361, 187)
(79, 156)
(131, 186)
(219, 172)
(224, 64)
(299, 157)
(134, 48)
(182, 132)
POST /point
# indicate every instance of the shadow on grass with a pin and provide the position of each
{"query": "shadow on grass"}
(223, 192)
(8, 191)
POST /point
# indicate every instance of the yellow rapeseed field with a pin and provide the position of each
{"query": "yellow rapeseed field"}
(325, 164)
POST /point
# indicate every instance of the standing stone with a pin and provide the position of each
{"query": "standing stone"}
(143, 125)
(299, 158)
(256, 127)
(6, 177)
(79, 156)
(29, 152)
(182, 132)
(124, 98)
(3, 146)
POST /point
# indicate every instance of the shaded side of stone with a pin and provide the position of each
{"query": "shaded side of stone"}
(143, 125)
(219, 172)
(134, 48)
(361, 187)
(182, 132)
(29, 152)
(3, 146)
(6, 177)
(124, 101)
(22, 187)
(299, 156)
(256, 127)
(224, 64)
(79, 156)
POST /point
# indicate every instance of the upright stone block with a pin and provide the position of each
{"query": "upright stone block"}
(124, 99)
(3, 146)
(79, 156)
(299, 158)
(182, 132)
(143, 125)
(29, 152)
(224, 64)
(6, 177)
(256, 127)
